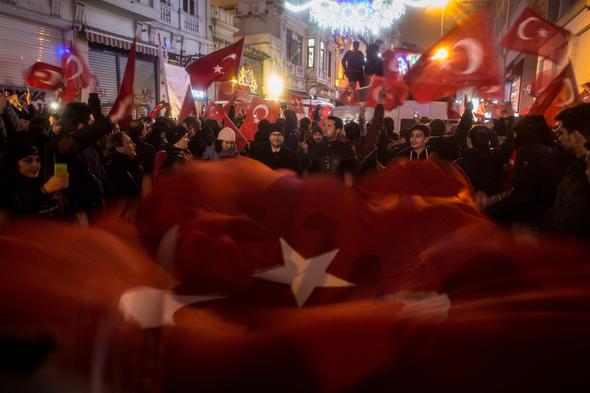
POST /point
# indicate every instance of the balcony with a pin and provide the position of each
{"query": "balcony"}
(299, 71)
(323, 75)
(294, 69)
(222, 16)
(191, 24)
(165, 14)
(140, 10)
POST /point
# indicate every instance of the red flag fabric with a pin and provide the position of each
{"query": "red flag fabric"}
(126, 92)
(259, 109)
(349, 96)
(188, 106)
(241, 140)
(531, 33)
(295, 103)
(221, 65)
(541, 82)
(76, 71)
(464, 57)
(324, 113)
(394, 89)
(156, 111)
(213, 112)
(490, 92)
(442, 297)
(228, 91)
(561, 93)
(45, 76)
(453, 109)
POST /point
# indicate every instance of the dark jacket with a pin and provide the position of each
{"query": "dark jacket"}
(485, 169)
(366, 145)
(284, 158)
(353, 63)
(571, 212)
(125, 175)
(21, 196)
(537, 174)
(145, 154)
(450, 147)
(176, 156)
(374, 64)
(333, 158)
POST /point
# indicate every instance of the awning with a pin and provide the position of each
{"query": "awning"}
(109, 39)
(298, 93)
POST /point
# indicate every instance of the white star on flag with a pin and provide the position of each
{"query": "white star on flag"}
(542, 33)
(218, 69)
(304, 275)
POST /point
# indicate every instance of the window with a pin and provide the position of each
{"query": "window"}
(322, 63)
(294, 43)
(330, 64)
(188, 6)
(310, 52)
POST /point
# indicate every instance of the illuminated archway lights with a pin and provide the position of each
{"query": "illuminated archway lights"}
(357, 16)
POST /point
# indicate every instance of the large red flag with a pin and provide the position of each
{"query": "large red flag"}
(561, 93)
(213, 112)
(188, 105)
(221, 65)
(45, 76)
(259, 109)
(126, 94)
(295, 103)
(465, 57)
(531, 33)
(394, 89)
(76, 71)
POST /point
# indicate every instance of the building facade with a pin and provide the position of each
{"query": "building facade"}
(35, 30)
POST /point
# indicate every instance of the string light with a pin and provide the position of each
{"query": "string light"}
(358, 16)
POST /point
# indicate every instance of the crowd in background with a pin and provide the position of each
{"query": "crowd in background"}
(77, 161)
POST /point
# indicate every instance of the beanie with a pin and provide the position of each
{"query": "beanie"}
(227, 134)
(22, 147)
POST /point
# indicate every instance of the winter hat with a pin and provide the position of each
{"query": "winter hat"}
(22, 147)
(175, 134)
(227, 134)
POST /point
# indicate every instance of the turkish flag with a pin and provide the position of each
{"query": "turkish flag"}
(531, 33)
(188, 105)
(465, 57)
(45, 76)
(76, 72)
(394, 89)
(561, 93)
(349, 96)
(156, 111)
(213, 112)
(126, 94)
(259, 109)
(241, 140)
(541, 82)
(221, 65)
(295, 103)
(490, 92)
(324, 114)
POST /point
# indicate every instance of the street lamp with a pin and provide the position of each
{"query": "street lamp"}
(275, 86)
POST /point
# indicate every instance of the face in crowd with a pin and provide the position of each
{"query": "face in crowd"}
(227, 145)
(418, 140)
(317, 136)
(128, 147)
(276, 139)
(330, 130)
(30, 166)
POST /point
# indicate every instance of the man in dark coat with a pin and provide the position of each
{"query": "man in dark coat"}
(276, 155)
(538, 171)
(333, 156)
(144, 151)
(123, 168)
(571, 212)
(482, 164)
(353, 64)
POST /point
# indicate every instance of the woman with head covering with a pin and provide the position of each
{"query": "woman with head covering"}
(24, 191)
(223, 147)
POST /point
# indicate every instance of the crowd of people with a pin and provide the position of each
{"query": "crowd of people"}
(78, 161)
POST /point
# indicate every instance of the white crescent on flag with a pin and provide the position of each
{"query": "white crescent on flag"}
(523, 25)
(48, 77)
(233, 57)
(258, 118)
(571, 98)
(474, 52)
(79, 68)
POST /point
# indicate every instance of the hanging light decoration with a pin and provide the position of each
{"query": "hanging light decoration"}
(356, 16)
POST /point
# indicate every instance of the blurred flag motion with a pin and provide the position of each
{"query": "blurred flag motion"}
(281, 284)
